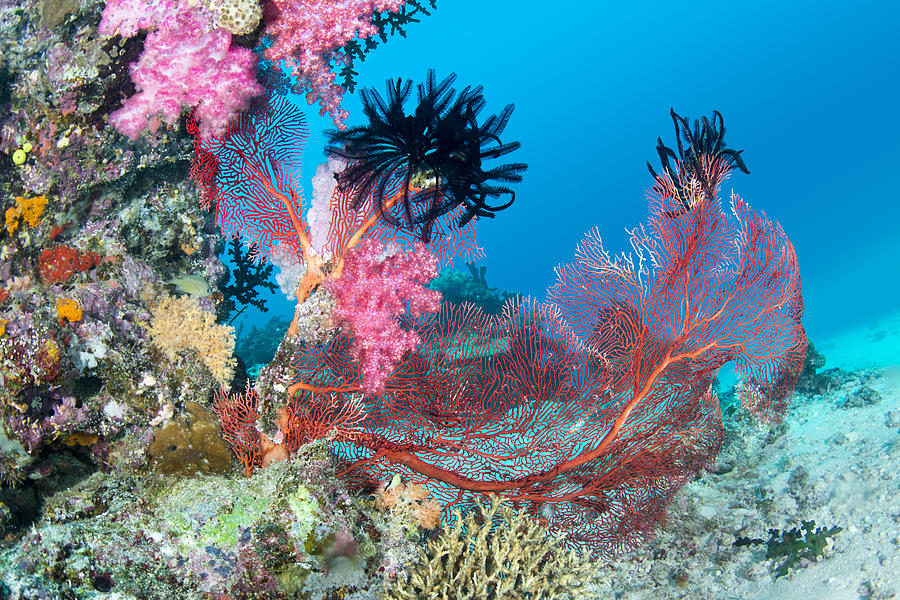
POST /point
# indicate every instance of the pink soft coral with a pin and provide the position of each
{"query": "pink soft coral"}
(187, 62)
(377, 283)
(308, 34)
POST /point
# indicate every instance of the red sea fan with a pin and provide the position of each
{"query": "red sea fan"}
(238, 415)
(252, 176)
(516, 405)
(594, 410)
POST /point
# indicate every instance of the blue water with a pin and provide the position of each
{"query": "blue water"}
(809, 90)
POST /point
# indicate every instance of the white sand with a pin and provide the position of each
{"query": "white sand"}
(851, 457)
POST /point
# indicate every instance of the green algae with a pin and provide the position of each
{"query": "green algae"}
(291, 527)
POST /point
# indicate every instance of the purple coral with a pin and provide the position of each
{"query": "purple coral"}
(377, 283)
(187, 62)
(56, 418)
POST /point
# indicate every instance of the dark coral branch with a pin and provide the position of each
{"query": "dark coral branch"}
(388, 23)
(705, 139)
(429, 162)
(249, 276)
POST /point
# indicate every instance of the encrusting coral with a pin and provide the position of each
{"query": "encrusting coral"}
(493, 553)
(68, 310)
(239, 17)
(190, 444)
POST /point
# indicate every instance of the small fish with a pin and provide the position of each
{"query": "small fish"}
(192, 285)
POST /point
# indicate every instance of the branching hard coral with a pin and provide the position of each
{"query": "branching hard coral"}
(494, 553)
(432, 157)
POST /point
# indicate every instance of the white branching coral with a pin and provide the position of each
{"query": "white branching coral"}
(494, 553)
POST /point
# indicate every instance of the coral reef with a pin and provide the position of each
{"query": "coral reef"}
(291, 532)
(122, 406)
(93, 227)
(115, 474)
(625, 339)
(494, 553)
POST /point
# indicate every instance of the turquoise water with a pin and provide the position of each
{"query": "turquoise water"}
(808, 91)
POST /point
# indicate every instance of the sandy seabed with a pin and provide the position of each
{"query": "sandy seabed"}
(835, 461)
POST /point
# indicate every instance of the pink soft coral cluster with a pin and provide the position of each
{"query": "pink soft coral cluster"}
(308, 34)
(187, 62)
(377, 283)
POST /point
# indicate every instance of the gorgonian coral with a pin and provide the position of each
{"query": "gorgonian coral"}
(429, 162)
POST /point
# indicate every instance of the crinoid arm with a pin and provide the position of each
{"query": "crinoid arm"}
(422, 166)
(700, 160)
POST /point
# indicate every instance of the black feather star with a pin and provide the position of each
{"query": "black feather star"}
(430, 162)
(707, 138)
